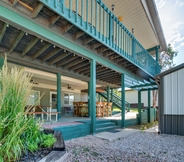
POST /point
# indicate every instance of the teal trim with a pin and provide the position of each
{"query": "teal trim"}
(149, 105)
(157, 55)
(92, 30)
(59, 95)
(89, 99)
(108, 94)
(122, 101)
(153, 48)
(59, 40)
(139, 107)
(143, 85)
(93, 95)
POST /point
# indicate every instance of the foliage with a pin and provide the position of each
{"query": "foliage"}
(166, 58)
(16, 131)
(144, 126)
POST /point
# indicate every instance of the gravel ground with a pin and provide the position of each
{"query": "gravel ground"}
(139, 147)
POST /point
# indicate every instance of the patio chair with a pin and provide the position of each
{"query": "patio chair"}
(68, 110)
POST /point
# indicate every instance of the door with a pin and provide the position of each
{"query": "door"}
(53, 100)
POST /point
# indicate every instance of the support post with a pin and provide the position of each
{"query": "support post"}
(133, 48)
(108, 94)
(139, 107)
(112, 94)
(89, 99)
(92, 95)
(149, 106)
(157, 54)
(59, 95)
(122, 101)
(2, 58)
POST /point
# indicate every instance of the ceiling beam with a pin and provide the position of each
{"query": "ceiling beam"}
(53, 20)
(51, 54)
(39, 52)
(78, 34)
(77, 61)
(62, 56)
(95, 45)
(102, 49)
(29, 46)
(103, 72)
(66, 28)
(3, 31)
(87, 40)
(84, 70)
(36, 10)
(16, 41)
(65, 61)
(79, 66)
(107, 53)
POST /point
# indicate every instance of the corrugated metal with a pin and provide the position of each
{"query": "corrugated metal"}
(172, 124)
(174, 93)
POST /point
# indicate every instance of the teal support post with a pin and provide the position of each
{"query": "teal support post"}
(112, 94)
(92, 93)
(149, 106)
(139, 107)
(108, 94)
(88, 99)
(59, 95)
(157, 54)
(133, 48)
(122, 101)
(2, 57)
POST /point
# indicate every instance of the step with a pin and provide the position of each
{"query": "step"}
(108, 124)
(106, 128)
(102, 121)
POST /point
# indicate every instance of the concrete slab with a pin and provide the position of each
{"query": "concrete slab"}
(113, 136)
(153, 129)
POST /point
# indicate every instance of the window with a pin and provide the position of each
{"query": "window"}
(34, 98)
(68, 98)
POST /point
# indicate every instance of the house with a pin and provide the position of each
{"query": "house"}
(83, 45)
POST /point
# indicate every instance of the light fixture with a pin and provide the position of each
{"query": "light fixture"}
(82, 58)
(41, 40)
(64, 50)
(132, 30)
(54, 46)
(74, 54)
(120, 18)
(7, 25)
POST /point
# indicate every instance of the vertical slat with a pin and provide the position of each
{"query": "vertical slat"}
(82, 12)
(70, 8)
(110, 28)
(107, 25)
(92, 3)
(76, 10)
(55, 3)
(96, 17)
(86, 14)
(101, 21)
(104, 25)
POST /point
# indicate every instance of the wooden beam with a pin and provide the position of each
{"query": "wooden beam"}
(78, 60)
(107, 53)
(112, 57)
(87, 40)
(95, 45)
(63, 62)
(79, 66)
(78, 34)
(62, 56)
(100, 69)
(66, 28)
(51, 54)
(102, 49)
(39, 52)
(16, 41)
(36, 10)
(103, 72)
(107, 75)
(82, 68)
(29, 46)
(3, 31)
(53, 20)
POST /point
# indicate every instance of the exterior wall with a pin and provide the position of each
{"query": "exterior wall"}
(171, 103)
(131, 96)
(84, 97)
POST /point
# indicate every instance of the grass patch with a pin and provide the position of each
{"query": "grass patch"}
(144, 126)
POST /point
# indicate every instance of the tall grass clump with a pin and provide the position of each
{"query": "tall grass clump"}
(16, 130)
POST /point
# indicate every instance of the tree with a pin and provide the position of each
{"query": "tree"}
(166, 62)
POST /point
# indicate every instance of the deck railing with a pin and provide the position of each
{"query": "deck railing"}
(94, 18)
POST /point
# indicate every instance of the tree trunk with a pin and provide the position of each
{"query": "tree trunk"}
(154, 97)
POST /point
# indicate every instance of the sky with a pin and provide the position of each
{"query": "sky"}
(171, 13)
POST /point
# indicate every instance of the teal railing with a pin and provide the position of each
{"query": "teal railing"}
(116, 100)
(94, 18)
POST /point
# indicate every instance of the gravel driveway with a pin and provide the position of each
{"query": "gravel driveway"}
(141, 147)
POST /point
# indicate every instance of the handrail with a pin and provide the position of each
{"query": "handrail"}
(98, 21)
